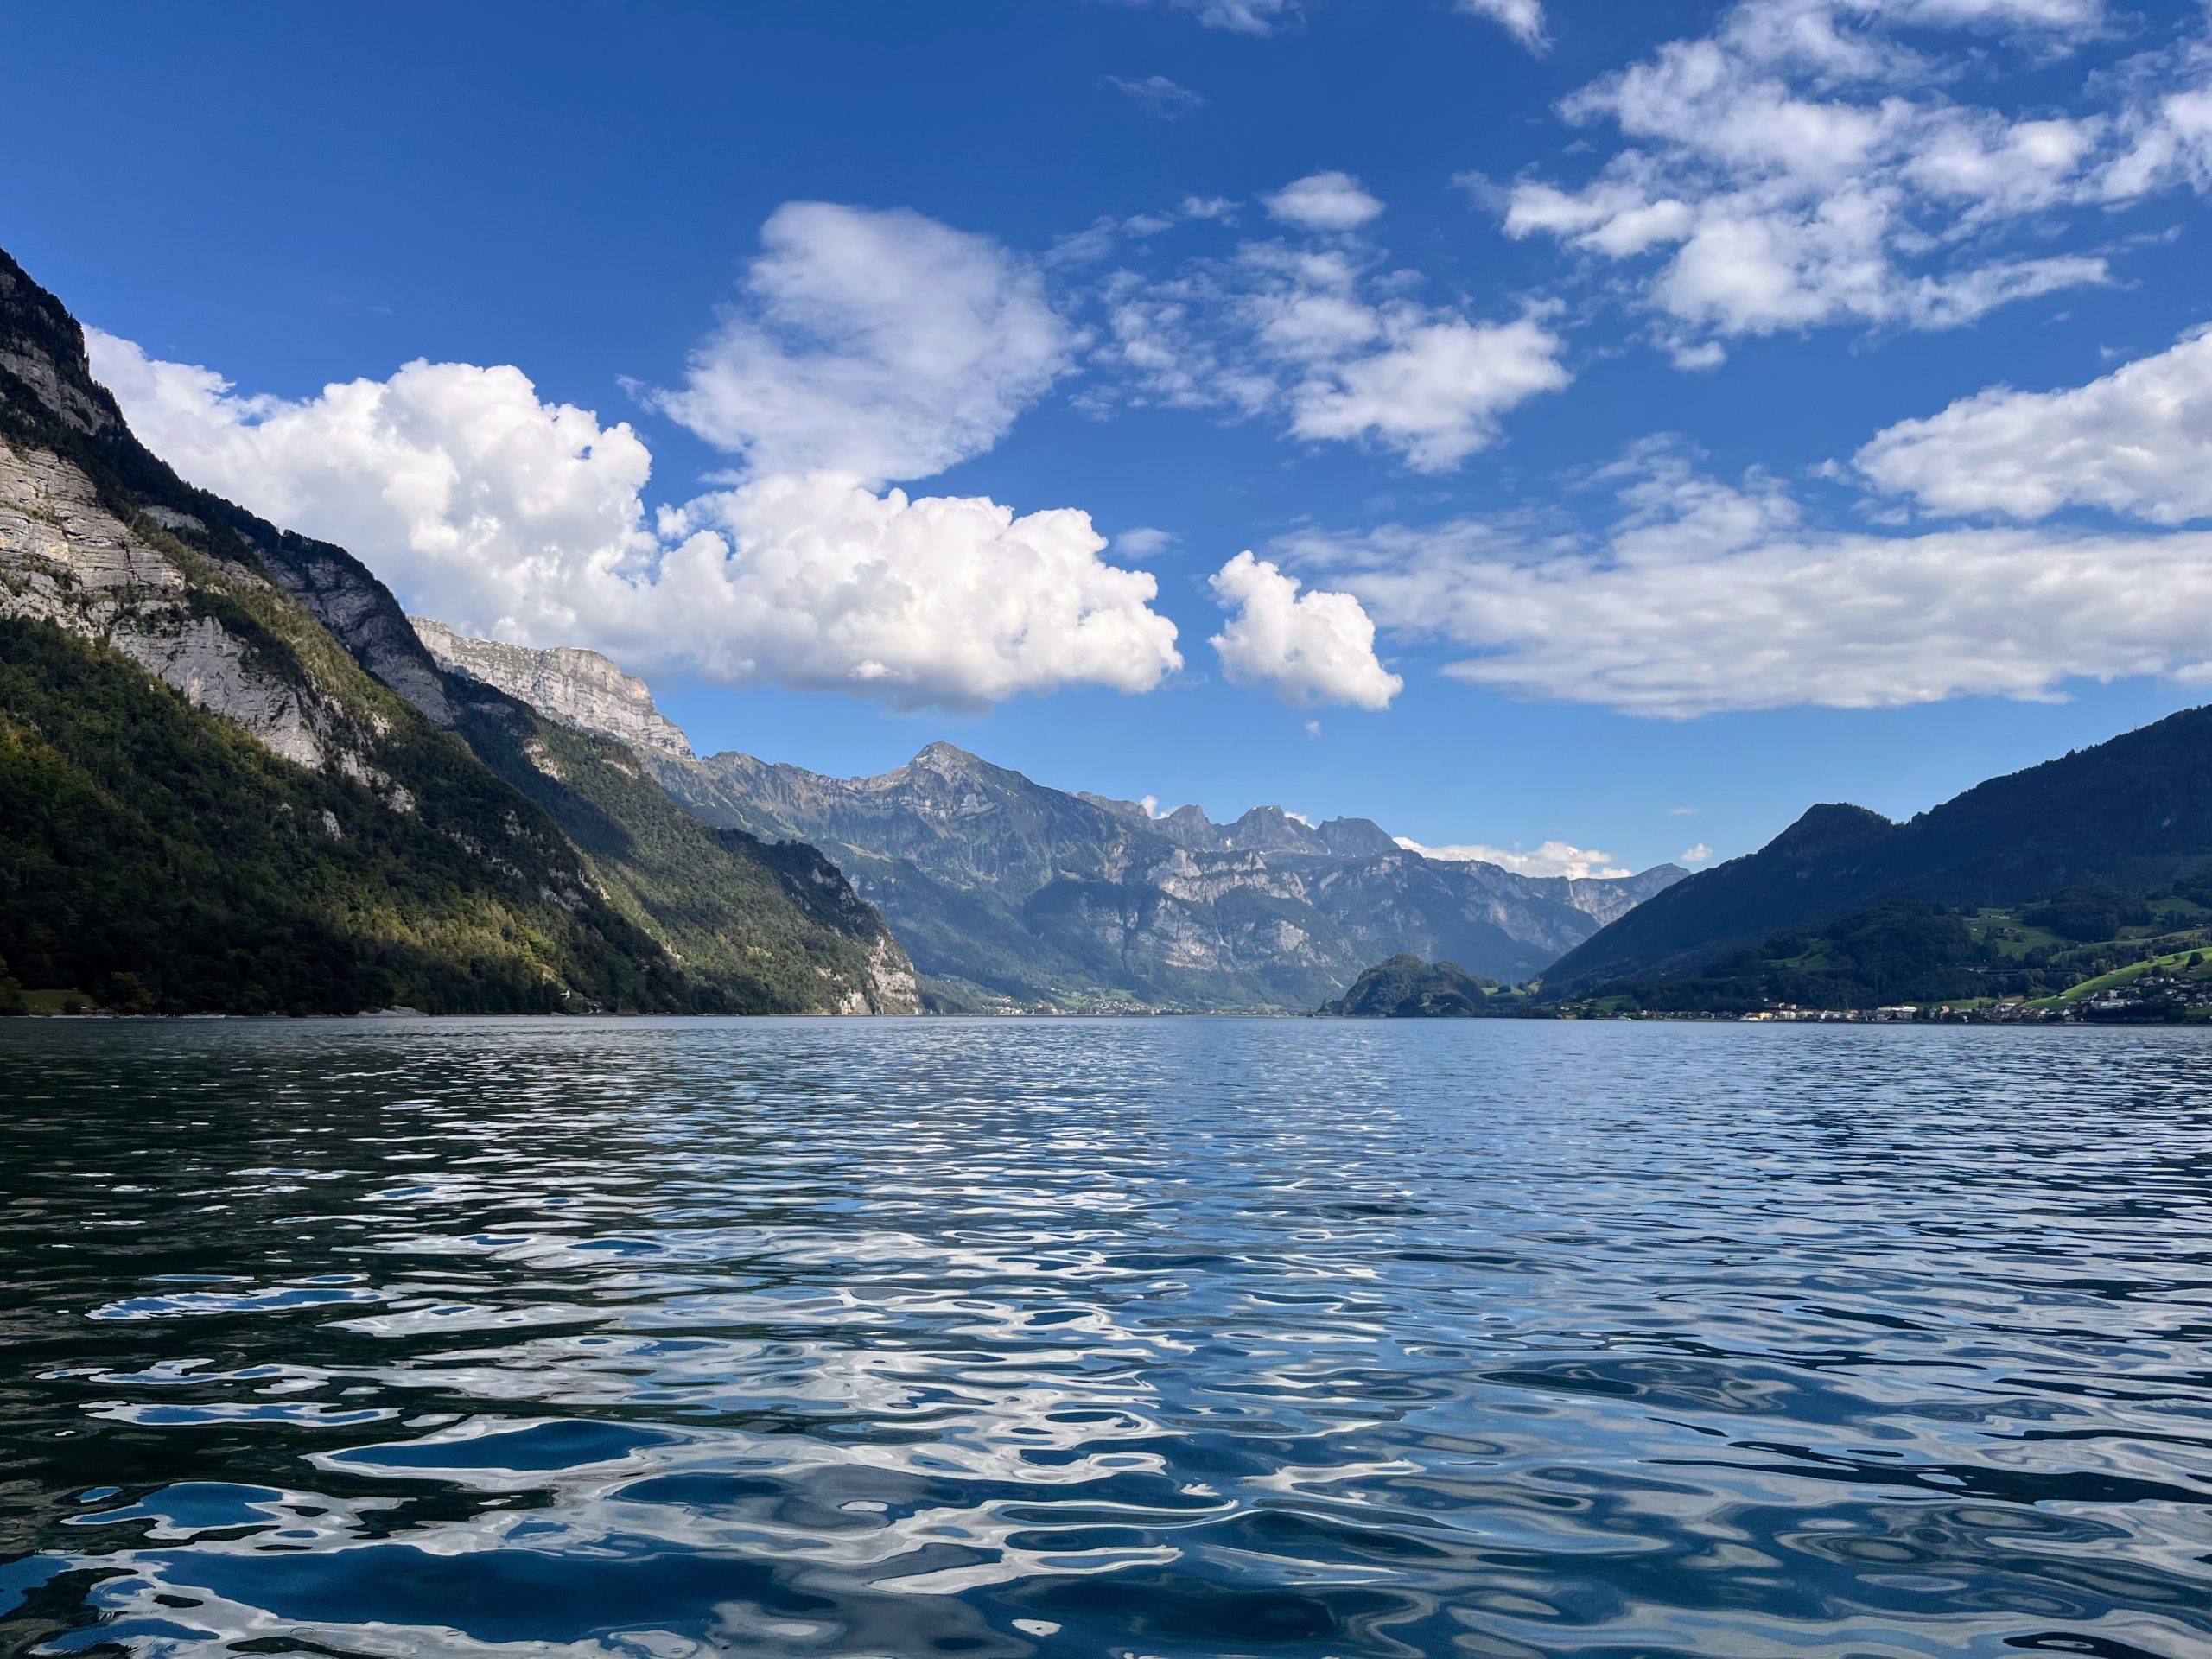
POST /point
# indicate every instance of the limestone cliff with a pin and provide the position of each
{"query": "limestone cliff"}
(234, 778)
(577, 687)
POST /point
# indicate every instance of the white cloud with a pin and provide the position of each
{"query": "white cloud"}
(1695, 856)
(1308, 648)
(1802, 165)
(1523, 19)
(1313, 728)
(1316, 334)
(816, 582)
(1709, 597)
(1323, 201)
(2137, 441)
(509, 516)
(1435, 391)
(1552, 858)
(443, 472)
(885, 345)
(1158, 96)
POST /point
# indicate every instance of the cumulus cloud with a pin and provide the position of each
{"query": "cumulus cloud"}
(1552, 858)
(1695, 856)
(1307, 648)
(1708, 596)
(1323, 201)
(1158, 96)
(523, 520)
(885, 345)
(1523, 19)
(1802, 165)
(435, 476)
(2137, 441)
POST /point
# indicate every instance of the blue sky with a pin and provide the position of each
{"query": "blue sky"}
(1623, 389)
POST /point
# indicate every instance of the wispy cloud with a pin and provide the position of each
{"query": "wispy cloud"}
(1157, 96)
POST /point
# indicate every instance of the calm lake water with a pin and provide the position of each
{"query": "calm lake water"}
(1165, 1337)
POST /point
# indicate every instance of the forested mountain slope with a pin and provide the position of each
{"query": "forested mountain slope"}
(231, 777)
(2132, 814)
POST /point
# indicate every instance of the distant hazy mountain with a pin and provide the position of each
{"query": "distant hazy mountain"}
(2134, 814)
(998, 884)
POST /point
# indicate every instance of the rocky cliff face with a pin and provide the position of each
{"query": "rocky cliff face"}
(412, 830)
(997, 882)
(577, 687)
(1264, 829)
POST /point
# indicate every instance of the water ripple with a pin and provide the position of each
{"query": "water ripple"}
(1169, 1338)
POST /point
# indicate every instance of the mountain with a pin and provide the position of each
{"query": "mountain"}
(580, 689)
(1264, 829)
(1406, 987)
(1000, 887)
(231, 778)
(2132, 815)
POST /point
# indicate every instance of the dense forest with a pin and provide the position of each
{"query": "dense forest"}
(1406, 987)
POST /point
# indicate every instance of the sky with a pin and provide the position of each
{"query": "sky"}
(1582, 433)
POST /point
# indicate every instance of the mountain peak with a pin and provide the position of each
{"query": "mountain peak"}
(950, 761)
(1831, 824)
(44, 347)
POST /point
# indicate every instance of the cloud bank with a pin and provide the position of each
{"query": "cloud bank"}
(1552, 858)
(523, 520)
(1707, 597)
(2137, 442)
(1802, 165)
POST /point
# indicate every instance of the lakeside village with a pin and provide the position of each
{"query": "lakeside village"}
(2151, 999)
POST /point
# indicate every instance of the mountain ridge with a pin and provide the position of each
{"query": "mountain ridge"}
(151, 627)
(2133, 810)
(1010, 888)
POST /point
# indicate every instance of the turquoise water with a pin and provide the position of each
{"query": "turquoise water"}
(1166, 1338)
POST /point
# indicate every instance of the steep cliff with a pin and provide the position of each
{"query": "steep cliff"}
(235, 779)
(577, 687)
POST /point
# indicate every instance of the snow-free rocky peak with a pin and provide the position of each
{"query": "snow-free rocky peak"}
(577, 687)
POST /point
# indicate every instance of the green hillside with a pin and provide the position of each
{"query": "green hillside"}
(2132, 815)
(232, 780)
(2062, 950)
(1406, 987)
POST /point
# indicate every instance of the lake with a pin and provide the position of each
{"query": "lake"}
(1131, 1337)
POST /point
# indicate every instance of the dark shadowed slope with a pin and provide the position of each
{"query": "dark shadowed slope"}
(2134, 812)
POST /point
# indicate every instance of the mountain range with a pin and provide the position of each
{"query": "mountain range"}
(232, 778)
(1005, 891)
